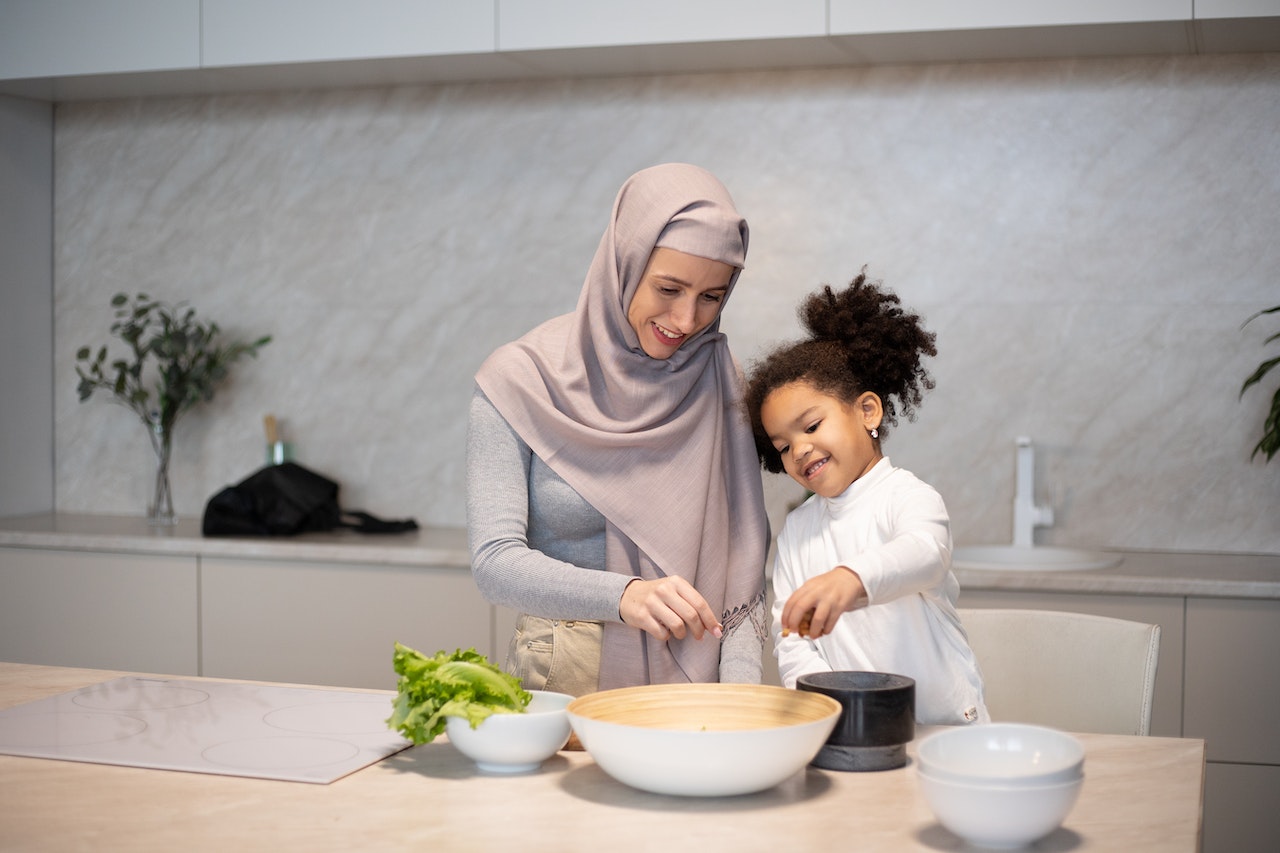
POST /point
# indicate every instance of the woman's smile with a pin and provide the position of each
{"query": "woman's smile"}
(678, 296)
(667, 336)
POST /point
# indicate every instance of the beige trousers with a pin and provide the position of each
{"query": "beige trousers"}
(556, 654)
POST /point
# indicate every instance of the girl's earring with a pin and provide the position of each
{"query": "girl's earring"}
(875, 433)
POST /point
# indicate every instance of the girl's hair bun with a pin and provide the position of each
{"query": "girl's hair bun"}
(845, 316)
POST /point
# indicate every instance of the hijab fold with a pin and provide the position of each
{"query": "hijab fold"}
(660, 447)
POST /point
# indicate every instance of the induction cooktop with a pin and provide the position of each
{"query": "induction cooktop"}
(298, 734)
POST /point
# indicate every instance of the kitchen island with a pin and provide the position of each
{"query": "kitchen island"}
(325, 608)
(1140, 794)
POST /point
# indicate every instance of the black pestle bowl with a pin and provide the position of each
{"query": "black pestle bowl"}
(877, 719)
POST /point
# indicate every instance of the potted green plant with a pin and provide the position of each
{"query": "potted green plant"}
(1270, 442)
(189, 365)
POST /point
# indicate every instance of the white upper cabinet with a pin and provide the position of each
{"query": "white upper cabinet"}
(1224, 26)
(552, 24)
(39, 38)
(269, 32)
(610, 37)
(1237, 9)
(75, 49)
(900, 16)
(940, 31)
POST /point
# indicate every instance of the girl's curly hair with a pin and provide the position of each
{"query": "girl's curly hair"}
(860, 339)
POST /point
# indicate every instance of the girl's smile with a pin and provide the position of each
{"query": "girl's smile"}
(811, 470)
(824, 442)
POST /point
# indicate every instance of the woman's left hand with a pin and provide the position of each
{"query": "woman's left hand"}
(668, 607)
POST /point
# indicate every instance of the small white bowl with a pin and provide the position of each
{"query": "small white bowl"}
(515, 743)
(1002, 753)
(703, 740)
(1005, 817)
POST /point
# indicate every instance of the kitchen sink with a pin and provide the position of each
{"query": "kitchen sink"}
(1034, 558)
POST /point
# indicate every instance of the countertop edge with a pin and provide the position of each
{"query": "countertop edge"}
(1210, 575)
(1116, 584)
(428, 546)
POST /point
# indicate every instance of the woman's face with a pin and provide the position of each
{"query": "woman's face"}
(678, 296)
(825, 443)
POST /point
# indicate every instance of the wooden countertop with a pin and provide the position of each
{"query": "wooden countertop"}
(1140, 794)
(1140, 573)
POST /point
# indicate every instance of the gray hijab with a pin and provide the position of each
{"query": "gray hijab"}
(661, 448)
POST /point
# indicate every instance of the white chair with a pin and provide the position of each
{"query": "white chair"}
(1071, 671)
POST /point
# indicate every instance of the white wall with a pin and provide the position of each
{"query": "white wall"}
(1086, 237)
(26, 306)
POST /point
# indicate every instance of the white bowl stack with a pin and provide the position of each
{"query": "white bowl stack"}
(1001, 785)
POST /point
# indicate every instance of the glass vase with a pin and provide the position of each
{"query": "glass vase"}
(160, 509)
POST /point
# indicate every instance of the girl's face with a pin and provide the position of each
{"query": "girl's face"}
(825, 443)
(678, 296)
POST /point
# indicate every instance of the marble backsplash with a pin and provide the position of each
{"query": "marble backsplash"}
(1086, 238)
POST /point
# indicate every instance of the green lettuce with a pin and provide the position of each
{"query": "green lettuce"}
(463, 684)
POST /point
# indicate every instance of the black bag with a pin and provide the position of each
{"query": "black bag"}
(286, 499)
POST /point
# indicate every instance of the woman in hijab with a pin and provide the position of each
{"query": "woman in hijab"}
(613, 493)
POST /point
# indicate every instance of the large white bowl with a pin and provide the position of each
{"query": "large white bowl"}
(515, 743)
(1000, 816)
(703, 740)
(1002, 753)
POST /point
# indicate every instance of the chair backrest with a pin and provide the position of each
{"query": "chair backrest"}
(1072, 671)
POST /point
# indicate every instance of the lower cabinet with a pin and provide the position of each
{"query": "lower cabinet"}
(318, 622)
(333, 623)
(1233, 702)
(131, 612)
(1240, 808)
(504, 626)
(1233, 678)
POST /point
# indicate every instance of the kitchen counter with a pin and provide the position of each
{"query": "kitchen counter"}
(432, 546)
(1140, 794)
(1141, 572)
(1177, 573)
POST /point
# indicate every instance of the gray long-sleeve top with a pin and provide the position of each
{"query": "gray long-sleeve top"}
(538, 547)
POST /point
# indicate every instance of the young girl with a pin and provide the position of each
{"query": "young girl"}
(863, 569)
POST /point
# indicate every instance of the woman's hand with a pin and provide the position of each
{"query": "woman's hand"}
(668, 607)
(813, 609)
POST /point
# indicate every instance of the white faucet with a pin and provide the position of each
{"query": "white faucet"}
(1027, 515)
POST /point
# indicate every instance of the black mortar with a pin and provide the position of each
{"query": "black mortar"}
(877, 719)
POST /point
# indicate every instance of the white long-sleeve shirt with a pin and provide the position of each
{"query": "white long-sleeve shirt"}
(893, 530)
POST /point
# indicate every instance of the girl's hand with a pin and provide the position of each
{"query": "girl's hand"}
(666, 608)
(820, 601)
